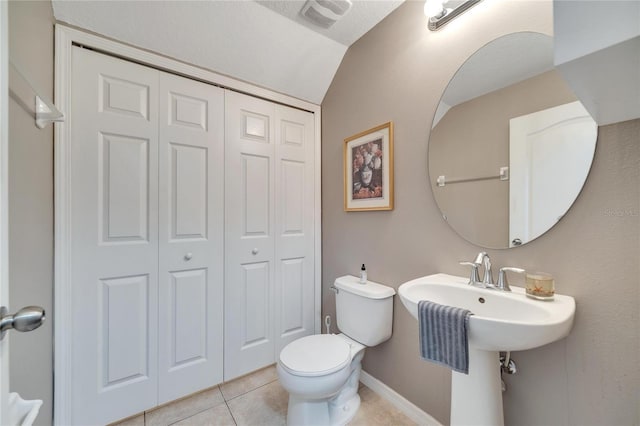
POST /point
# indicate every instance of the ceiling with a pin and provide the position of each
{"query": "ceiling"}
(264, 42)
(363, 16)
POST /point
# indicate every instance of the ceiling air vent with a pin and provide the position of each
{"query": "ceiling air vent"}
(325, 13)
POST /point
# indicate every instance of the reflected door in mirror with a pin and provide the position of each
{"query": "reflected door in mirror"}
(550, 154)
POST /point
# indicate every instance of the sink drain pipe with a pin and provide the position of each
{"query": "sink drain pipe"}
(508, 366)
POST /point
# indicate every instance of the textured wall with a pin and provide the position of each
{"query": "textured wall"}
(31, 200)
(397, 72)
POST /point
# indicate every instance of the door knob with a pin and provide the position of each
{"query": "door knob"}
(188, 256)
(255, 251)
(26, 319)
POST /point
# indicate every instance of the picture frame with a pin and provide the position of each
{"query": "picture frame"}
(368, 169)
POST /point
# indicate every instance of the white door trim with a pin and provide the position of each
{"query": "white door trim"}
(65, 37)
(4, 203)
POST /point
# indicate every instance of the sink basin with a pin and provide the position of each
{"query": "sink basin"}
(502, 321)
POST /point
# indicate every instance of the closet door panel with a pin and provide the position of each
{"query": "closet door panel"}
(191, 236)
(123, 168)
(188, 316)
(249, 234)
(189, 192)
(294, 242)
(254, 325)
(123, 303)
(255, 176)
(114, 241)
(292, 313)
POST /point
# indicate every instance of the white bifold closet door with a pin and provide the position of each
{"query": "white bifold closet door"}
(146, 237)
(269, 231)
(191, 236)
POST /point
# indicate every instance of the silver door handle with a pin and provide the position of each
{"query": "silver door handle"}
(26, 319)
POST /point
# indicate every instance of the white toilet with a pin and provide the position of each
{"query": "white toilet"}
(322, 372)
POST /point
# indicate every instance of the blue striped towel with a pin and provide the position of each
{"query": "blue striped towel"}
(443, 335)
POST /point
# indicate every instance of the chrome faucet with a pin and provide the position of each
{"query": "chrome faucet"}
(484, 260)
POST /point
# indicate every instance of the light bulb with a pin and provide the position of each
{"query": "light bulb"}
(433, 8)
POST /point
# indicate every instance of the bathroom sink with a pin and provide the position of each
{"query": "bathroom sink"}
(501, 321)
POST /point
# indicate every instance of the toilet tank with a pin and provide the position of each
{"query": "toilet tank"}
(364, 312)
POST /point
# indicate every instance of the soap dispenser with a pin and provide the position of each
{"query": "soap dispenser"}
(363, 274)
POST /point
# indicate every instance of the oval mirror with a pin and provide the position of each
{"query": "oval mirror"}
(510, 145)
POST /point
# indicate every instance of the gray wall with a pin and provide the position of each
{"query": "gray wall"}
(31, 200)
(397, 72)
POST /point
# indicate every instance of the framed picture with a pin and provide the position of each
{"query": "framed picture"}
(368, 170)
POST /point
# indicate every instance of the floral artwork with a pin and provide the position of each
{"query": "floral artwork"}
(368, 169)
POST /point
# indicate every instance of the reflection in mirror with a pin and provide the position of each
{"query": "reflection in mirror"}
(510, 146)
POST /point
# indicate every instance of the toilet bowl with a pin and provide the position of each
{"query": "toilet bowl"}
(322, 372)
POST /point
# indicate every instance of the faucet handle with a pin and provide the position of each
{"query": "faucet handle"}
(503, 283)
(474, 278)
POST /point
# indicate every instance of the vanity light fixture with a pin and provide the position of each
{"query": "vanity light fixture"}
(439, 15)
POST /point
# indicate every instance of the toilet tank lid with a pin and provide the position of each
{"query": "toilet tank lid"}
(370, 290)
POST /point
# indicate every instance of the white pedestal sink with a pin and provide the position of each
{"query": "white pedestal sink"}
(501, 321)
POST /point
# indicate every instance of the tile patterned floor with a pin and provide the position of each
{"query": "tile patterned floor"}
(254, 400)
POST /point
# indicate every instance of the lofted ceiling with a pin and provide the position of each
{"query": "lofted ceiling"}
(265, 42)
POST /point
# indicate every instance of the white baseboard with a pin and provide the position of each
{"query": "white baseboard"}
(401, 403)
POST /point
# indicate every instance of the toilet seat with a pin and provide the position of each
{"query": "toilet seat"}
(316, 355)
